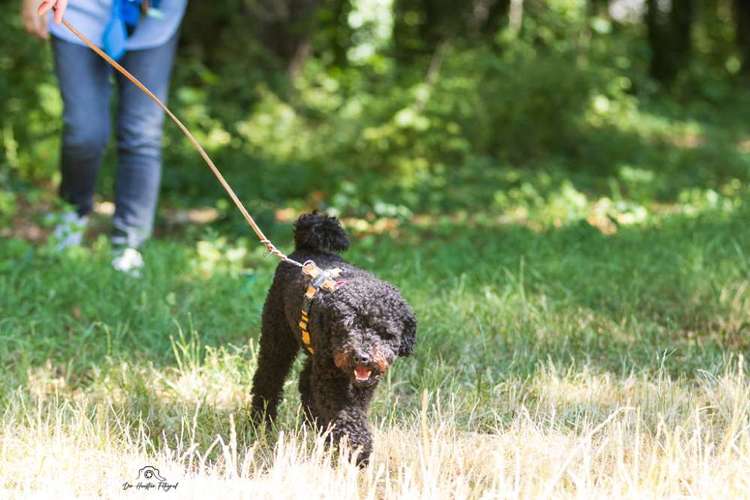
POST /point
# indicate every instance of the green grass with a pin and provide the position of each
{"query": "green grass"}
(509, 319)
(675, 285)
(492, 301)
(573, 240)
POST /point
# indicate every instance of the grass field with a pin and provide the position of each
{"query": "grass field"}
(551, 364)
(572, 234)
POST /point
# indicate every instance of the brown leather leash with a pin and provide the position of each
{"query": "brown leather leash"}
(319, 279)
(249, 218)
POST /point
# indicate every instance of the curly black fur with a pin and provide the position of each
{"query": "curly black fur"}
(359, 328)
(316, 232)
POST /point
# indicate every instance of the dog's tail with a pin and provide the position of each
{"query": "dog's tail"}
(316, 232)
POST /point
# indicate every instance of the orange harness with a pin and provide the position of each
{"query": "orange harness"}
(319, 279)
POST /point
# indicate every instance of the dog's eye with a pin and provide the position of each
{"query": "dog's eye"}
(386, 334)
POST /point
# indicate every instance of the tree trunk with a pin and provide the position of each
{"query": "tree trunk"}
(515, 16)
(421, 26)
(286, 29)
(742, 28)
(488, 16)
(669, 33)
(598, 8)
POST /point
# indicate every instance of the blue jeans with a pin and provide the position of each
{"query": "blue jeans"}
(85, 82)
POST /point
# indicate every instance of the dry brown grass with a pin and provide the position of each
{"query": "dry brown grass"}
(559, 435)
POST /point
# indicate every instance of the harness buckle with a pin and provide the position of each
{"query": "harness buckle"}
(325, 279)
(320, 278)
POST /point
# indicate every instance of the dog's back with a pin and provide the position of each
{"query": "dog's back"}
(319, 238)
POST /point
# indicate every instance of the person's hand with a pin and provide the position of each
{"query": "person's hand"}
(59, 7)
(34, 24)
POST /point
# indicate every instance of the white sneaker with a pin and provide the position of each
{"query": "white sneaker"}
(69, 230)
(129, 261)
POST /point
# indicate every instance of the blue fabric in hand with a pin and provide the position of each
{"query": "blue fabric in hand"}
(131, 13)
(125, 17)
(115, 34)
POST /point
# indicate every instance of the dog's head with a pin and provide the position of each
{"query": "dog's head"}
(369, 324)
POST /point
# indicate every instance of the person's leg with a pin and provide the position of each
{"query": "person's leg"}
(84, 83)
(139, 134)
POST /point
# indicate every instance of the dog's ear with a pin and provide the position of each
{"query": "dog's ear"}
(409, 334)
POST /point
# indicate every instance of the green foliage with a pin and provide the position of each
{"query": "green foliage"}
(460, 114)
(30, 106)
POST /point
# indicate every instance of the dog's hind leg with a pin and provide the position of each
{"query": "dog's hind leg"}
(278, 348)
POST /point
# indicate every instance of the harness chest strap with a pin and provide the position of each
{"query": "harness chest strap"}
(319, 279)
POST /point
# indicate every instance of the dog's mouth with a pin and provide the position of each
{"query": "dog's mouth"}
(362, 373)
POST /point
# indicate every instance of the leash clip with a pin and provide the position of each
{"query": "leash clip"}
(325, 279)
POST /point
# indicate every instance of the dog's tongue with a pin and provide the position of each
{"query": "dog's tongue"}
(362, 373)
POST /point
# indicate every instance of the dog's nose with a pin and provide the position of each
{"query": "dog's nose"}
(361, 358)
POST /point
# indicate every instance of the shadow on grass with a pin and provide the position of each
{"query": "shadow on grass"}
(492, 300)
(673, 293)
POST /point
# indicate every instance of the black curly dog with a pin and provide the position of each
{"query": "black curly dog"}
(357, 331)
